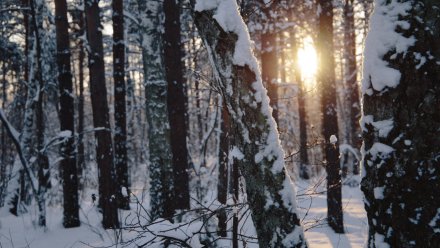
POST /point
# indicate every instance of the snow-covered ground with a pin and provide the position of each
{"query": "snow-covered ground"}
(21, 232)
(312, 203)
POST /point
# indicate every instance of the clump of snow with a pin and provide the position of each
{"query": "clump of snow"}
(378, 192)
(380, 150)
(65, 134)
(124, 191)
(289, 194)
(379, 241)
(333, 139)
(381, 39)
(383, 127)
(434, 221)
(236, 153)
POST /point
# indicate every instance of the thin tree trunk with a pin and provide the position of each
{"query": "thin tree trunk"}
(67, 118)
(120, 135)
(177, 102)
(351, 81)
(304, 167)
(327, 85)
(98, 95)
(223, 158)
(269, 60)
(80, 129)
(42, 159)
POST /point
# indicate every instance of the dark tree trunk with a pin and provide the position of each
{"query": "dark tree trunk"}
(273, 212)
(269, 60)
(80, 145)
(351, 81)
(67, 115)
(223, 157)
(177, 102)
(327, 84)
(401, 126)
(98, 95)
(235, 177)
(120, 135)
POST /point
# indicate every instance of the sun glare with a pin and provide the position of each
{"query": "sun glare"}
(307, 61)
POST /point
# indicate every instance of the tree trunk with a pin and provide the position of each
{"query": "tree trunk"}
(120, 135)
(67, 118)
(98, 95)
(401, 125)
(304, 167)
(80, 145)
(223, 158)
(351, 82)
(42, 159)
(258, 153)
(177, 102)
(327, 85)
(269, 60)
(161, 167)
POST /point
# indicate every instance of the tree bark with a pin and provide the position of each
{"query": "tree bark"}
(80, 144)
(223, 157)
(161, 168)
(177, 102)
(269, 60)
(67, 116)
(98, 95)
(270, 193)
(327, 85)
(351, 82)
(120, 135)
(42, 159)
(401, 125)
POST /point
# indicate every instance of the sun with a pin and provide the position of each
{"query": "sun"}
(307, 61)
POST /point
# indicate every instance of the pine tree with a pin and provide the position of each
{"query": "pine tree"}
(177, 101)
(120, 136)
(269, 60)
(401, 124)
(327, 85)
(352, 96)
(67, 115)
(98, 95)
(161, 167)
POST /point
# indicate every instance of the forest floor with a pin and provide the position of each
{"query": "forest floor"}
(312, 204)
(21, 232)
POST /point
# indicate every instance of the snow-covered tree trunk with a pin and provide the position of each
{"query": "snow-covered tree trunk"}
(36, 7)
(101, 121)
(401, 124)
(327, 87)
(67, 118)
(161, 170)
(120, 135)
(270, 192)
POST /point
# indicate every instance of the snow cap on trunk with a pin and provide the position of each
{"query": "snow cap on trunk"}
(381, 39)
